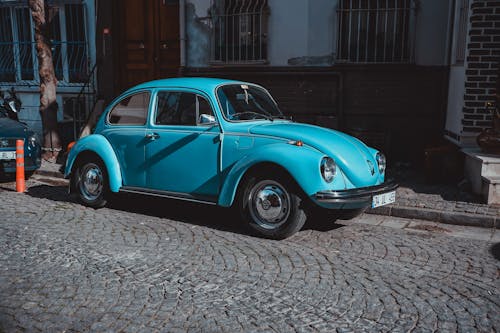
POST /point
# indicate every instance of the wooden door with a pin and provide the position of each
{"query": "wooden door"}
(148, 41)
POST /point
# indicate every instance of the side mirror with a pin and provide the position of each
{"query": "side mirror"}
(206, 119)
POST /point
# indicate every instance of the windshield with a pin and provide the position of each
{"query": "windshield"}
(245, 102)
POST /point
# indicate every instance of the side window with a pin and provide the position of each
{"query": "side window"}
(205, 112)
(132, 110)
(181, 108)
(167, 104)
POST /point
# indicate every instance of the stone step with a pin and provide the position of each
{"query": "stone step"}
(491, 167)
(479, 164)
(491, 189)
(488, 164)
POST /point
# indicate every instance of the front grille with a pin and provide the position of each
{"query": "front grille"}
(7, 143)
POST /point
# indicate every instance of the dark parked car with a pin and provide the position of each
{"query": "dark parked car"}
(10, 131)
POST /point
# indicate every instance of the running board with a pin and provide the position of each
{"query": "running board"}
(170, 195)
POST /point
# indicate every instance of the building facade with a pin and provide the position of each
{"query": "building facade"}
(72, 38)
(375, 69)
(400, 74)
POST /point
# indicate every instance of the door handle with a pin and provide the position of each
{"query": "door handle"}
(152, 136)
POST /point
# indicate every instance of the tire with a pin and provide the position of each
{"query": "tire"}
(90, 182)
(271, 207)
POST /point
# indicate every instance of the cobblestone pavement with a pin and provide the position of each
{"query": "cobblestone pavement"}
(146, 265)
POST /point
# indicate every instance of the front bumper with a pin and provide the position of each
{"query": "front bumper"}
(356, 197)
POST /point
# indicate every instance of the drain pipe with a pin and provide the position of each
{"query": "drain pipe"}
(182, 36)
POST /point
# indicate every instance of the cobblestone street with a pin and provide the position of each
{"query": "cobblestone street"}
(147, 265)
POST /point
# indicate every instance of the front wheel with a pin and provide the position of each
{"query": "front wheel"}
(90, 183)
(271, 208)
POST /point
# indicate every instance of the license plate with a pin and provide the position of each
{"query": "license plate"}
(383, 199)
(7, 155)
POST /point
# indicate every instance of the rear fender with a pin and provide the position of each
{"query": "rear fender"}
(100, 146)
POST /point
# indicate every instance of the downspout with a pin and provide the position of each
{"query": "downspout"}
(448, 62)
(182, 36)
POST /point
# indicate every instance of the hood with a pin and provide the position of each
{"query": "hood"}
(12, 129)
(353, 157)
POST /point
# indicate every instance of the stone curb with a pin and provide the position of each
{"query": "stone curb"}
(447, 217)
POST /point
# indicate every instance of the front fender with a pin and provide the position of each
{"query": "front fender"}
(97, 144)
(302, 163)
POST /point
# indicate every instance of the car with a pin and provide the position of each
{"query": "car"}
(226, 143)
(10, 131)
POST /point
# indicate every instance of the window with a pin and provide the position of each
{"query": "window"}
(131, 110)
(375, 31)
(179, 108)
(239, 31)
(18, 59)
(243, 102)
(205, 113)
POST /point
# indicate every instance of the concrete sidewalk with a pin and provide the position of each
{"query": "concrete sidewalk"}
(415, 199)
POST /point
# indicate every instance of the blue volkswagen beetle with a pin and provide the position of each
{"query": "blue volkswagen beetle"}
(226, 143)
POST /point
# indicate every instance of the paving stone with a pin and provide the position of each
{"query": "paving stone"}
(155, 265)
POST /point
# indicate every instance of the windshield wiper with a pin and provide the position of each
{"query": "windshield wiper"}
(282, 116)
(265, 116)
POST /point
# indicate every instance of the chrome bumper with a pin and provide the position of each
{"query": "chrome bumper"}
(358, 196)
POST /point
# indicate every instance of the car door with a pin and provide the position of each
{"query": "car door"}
(126, 129)
(182, 154)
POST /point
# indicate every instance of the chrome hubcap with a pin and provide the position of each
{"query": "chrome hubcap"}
(270, 204)
(91, 182)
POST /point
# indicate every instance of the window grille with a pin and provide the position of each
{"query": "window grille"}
(18, 58)
(239, 31)
(375, 31)
(461, 41)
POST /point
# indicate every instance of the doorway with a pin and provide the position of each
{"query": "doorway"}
(148, 45)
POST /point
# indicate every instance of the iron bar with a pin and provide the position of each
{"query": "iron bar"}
(385, 35)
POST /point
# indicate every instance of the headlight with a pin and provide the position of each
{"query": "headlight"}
(328, 169)
(381, 162)
(33, 140)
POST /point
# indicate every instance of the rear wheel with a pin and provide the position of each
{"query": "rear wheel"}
(90, 183)
(272, 207)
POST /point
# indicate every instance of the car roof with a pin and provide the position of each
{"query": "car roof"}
(202, 83)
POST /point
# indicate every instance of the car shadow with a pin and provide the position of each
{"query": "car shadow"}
(495, 251)
(51, 192)
(211, 216)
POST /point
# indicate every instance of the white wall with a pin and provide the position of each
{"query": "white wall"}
(322, 20)
(288, 31)
(455, 99)
(431, 40)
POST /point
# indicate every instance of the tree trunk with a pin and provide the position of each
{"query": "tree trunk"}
(48, 82)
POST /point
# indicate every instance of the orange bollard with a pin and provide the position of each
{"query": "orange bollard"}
(70, 145)
(20, 183)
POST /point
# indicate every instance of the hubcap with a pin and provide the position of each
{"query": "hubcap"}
(91, 182)
(270, 204)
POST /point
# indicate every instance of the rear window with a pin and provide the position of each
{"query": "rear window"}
(132, 110)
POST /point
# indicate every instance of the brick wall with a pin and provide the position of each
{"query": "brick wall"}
(482, 65)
